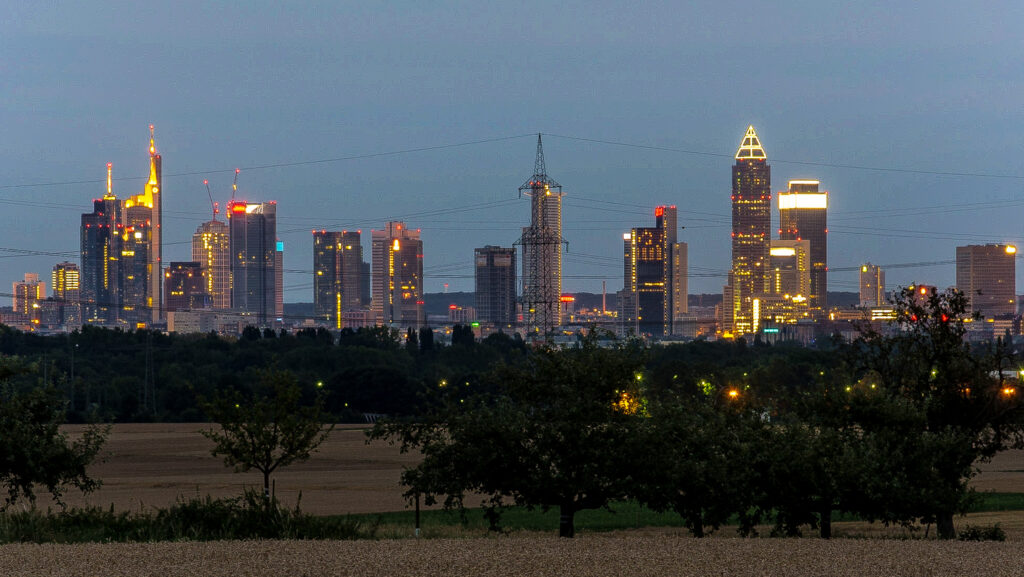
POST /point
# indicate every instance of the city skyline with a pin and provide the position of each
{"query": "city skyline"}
(882, 90)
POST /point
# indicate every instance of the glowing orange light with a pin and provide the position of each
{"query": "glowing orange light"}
(396, 245)
(452, 307)
(733, 393)
(659, 211)
(1009, 391)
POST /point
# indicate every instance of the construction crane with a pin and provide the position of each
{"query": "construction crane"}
(234, 185)
(213, 205)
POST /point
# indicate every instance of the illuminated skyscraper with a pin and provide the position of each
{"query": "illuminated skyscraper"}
(101, 258)
(184, 286)
(751, 224)
(803, 215)
(651, 281)
(353, 271)
(28, 294)
(254, 258)
(397, 254)
(152, 196)
(211, 248)
(542, 249)
(987, 275)
(872, 286)
(495, 284)
(67, 290)
(327, 289)
(790, 267)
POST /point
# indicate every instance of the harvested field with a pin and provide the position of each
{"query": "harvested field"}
(525, 555)
(150, 465)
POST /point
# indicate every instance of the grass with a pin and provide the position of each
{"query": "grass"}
(206, 518)
(619, 516)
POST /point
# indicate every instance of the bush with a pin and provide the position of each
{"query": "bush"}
(195, 519)
(982, 533)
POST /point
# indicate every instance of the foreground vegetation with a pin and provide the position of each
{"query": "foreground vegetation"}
(247, 517)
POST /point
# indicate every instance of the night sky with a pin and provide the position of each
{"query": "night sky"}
(837, 92)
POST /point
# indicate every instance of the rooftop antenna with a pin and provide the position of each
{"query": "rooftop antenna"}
(216, 208)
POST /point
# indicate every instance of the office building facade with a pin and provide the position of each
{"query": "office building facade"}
(495, 274)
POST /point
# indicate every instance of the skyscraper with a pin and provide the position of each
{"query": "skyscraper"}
(751, 224)
(152, 196)
(495, 284)
(184, 286)
(327, 289)
(66, 282)
(253, 248)
(352, 271)
(28, 294)
(872, 286)
(101, 258)
(542, 249)
(650, 276)
(397, 254)
(790, 267)
(986, 274)
(803, 215)
(211, 248)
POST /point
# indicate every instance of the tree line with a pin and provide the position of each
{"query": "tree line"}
(889, 428)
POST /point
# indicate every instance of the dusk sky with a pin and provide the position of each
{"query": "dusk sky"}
(874, 99)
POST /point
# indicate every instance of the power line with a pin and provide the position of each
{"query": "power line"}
(785, 161)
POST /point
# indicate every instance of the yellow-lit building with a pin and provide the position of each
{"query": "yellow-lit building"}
(211, 249)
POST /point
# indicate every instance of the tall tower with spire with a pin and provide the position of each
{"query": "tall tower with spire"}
(751, 227)
(154, 189)
(542, 249)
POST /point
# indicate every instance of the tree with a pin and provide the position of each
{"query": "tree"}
(549, 433)
(33, 450)
(959, 408)
(271, 429)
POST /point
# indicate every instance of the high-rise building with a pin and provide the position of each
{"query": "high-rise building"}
(352, 271)
(397, 254)
(327, 289)
(986, 274)
(279, 280)
(185, 287)
(872, 286)
(803, 215)
(542, 249)
(67, 290)
(495, 284)
(680, 284)
(654, 276)
(121, 250)
(101, 258)
(253, 249)
(751, 225)
(790, 267)
(28, 294)
(211, 248)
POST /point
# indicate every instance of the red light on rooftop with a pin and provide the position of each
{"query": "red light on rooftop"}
(567, 298)
(452, 307)
(659, 211)
(238, 207)
(421, 302)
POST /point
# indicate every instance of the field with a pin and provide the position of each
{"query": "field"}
(152, 465)
(593, 555)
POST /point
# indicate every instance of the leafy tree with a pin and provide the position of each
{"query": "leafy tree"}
(33, 450)
(271, 429)
(959, 408)
(694, 456)
(549, 433)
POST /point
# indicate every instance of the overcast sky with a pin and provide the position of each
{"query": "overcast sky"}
(918, 87)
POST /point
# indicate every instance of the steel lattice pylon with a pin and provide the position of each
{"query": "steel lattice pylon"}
(542, 250)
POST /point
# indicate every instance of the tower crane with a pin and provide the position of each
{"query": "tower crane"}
(213, 205)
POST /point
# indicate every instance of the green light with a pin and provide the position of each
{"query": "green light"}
(474, 325)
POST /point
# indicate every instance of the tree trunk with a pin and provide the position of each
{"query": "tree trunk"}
(266, 489)
(566, 528)
(944, 526)
(826, 521)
